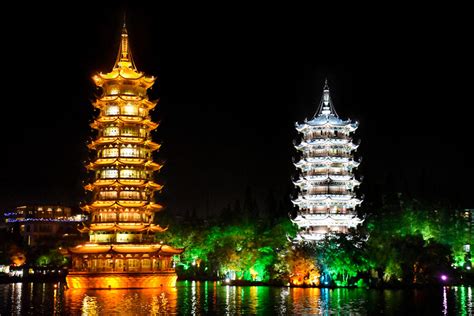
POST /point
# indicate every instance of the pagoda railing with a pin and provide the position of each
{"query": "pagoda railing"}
(318, 155)
(325, 136)
(334, 192)
(311, 173)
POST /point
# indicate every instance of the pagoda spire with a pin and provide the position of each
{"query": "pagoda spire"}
(124, 57)
(326, 107)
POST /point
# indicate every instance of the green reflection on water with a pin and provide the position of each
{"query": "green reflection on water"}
(213, 298)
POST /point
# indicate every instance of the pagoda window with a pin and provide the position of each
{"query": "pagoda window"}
(130, 195)
(112, 110)
(129, 173)
(133, 264)
(129, 152)
(119, 265)
(110, 217)
(129, 131)
(146, 264)
(130, 109)
(108, 195)
(102, 238)
(109, 174)
(110, 152)
(111, 131)
(114, 91)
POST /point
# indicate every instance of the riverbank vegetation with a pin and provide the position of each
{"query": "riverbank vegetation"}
(404, 242)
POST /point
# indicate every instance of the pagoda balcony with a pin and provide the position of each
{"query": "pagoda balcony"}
(121, 198)
(131, 139)
(325, 211)
(325, 195)
(116, 271)
(120, 263)
(136, 156)
(326, 173)
(145, 120)
(310, 137)
(117, 219)
(125, 179)
(330, 192)
(321, 155)
(135, 134)
(326, 163)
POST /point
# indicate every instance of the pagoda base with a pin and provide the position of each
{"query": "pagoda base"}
(84, 280)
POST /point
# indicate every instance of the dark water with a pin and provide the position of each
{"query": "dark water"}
(204, 298)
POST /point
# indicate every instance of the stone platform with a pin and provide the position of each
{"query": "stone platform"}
(130, 280)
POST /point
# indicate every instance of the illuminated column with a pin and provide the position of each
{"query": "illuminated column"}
(326, 201)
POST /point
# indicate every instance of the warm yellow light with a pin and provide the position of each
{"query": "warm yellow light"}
(253, 273)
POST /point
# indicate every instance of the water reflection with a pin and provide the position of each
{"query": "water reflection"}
(116, 302)
(196, 298)
(445, 300)
(16, 298)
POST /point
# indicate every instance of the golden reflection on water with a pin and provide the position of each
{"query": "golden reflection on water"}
(122, 302)
(253, 297)
(306, 300)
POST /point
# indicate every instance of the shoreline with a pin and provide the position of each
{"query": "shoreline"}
(62, 278)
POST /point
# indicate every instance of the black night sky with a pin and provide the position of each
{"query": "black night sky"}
(232, 82)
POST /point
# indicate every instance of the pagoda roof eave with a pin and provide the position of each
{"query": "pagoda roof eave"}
(90, 249)
(123, 182)
(124, 118)
(171, 250)
(126, 97)
(123, 73)
(150, 144)
(149, 164)
(123, 227)
(122, 203)
(330, 120)
(125, 248)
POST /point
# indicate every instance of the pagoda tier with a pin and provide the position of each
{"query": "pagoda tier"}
(114, 227)
(91, 248)
(122, 208)
(326, 201)
(122, 120)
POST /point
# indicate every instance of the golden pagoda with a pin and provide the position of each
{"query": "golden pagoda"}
(121, 252)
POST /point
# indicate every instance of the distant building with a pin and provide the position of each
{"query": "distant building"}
(326, 201)
(39, 224)
(468, 215)
(3, 224)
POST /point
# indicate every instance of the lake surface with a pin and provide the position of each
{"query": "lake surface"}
(204, 298)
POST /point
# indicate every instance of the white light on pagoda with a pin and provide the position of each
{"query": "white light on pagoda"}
(326, 201)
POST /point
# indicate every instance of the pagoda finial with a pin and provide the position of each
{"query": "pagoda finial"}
(326, 110)
(326, 93)
(124, 57)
